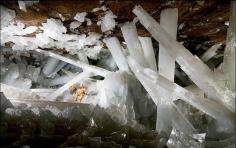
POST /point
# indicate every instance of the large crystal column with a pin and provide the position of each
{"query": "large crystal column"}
(148, 52)
(115, 48)
(130, 35)
(166, 64)
(166, 67)
(198, 72)
(229, 55)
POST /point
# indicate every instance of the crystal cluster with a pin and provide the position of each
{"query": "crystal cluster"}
(120, 85)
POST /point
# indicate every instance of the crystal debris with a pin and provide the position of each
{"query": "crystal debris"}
(80, 16)
(108, 21)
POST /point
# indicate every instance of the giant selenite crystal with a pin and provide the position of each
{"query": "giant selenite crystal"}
(121, 95)
(229, 55)
(166, 67)
(198, 72)
(115, 48)
(166, 64)
(148, 52)
(130, 35)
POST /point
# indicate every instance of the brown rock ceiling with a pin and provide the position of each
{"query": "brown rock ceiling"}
(202, 20)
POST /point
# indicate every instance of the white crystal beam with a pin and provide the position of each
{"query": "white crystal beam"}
(130, 35)
(151, 80)
(166, 67)
(115, 48)
(66, 86)
(210, 52)
(94, 69)
(166, 64)
(229, 55)
(198, 72)
(148, 52)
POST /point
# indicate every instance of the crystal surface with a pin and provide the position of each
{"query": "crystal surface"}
(115, 48)
(148, 52)
(130, 35)
(169, 22)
